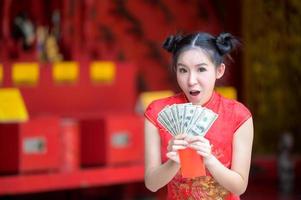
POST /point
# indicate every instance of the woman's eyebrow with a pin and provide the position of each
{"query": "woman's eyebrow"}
(197, 65)
(201, 65)
(181, 65)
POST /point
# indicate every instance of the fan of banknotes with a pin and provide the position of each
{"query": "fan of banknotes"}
(187, 118)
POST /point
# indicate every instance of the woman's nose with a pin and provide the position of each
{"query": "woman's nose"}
(192, 79)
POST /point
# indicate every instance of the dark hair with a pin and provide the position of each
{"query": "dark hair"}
(218, 48)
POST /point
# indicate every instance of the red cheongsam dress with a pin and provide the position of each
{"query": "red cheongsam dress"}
(231, 115)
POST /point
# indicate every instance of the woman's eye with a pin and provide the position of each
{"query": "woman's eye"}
(182, 70)
(201, 69)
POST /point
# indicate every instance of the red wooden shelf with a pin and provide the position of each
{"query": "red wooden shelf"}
(20, 184)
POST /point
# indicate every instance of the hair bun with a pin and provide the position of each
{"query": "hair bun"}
(225, 42)
(171, 42)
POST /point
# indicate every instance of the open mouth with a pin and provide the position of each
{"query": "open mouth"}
(194, 92)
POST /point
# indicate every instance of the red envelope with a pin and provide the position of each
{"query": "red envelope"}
(192, 164)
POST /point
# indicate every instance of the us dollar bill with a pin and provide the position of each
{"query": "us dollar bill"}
(200, 112)
(175, 115)
(169, 115)
(186, 118)
(165, 124)
(203, 124)
(189, 111)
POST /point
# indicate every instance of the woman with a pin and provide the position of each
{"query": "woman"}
(198, 61)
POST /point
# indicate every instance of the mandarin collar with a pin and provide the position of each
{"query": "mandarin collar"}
(209, 104)
(212, 100)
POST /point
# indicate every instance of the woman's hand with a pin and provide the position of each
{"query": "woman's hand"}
(175, 144)
(201, 145)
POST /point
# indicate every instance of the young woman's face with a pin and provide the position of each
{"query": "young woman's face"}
(196, 75)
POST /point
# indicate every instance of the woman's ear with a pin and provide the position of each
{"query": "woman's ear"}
(220, 70)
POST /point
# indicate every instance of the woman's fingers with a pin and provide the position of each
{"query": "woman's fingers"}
(176, 143)
(201, 148)
(201, 145)
(173, 156)
(178, 147)
(198, 143)
(198, 146)
(192, 139)
(180, 142)
(181, 136)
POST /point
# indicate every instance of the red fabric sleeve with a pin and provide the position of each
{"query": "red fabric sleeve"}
(242, 114)
(152, 111)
